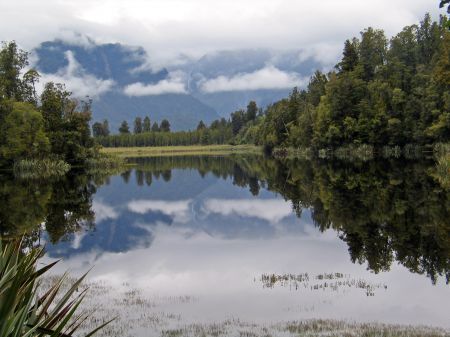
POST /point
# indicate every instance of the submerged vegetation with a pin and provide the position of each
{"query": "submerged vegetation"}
(336, 282)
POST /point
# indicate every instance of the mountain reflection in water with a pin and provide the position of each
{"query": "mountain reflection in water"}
(243, 231)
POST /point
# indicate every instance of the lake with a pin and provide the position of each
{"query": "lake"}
(219, 245)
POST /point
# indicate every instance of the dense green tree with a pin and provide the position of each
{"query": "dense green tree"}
(54, 125)
(12, 61)
(25, 136)
(147, 127)
(137, 125)
(252, 110)
(105, 127)
(201, 126)
(155, 127)
(164, 126)
(100, 129)
(382, 94)
(372, 52)
(97, 129)
(237, 121)
(124, 128)
(350, 56)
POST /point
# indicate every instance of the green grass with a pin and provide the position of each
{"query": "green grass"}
(131, 152)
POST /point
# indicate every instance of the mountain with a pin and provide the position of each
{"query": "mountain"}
(122, 66)
(124, 86)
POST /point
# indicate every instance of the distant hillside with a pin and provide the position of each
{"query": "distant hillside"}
(121, 64)
(128, 66)
(231, 63)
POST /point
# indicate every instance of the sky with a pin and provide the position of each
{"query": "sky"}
(175, 30)
(167, 28)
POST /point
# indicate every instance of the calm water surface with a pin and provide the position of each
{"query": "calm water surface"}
(206, 239)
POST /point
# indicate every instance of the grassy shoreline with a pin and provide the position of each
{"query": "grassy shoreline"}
(180, 150)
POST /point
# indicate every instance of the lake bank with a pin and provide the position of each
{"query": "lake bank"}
(132, 152)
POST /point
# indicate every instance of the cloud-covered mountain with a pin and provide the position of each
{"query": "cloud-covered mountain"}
(124, 85)
(228, 80)
(121, 86)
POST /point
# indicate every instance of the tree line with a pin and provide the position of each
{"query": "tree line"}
(220, 131)
(51, 125)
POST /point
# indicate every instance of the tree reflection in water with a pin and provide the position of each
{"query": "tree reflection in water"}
(385, 211)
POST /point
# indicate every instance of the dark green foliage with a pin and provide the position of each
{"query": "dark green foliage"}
(252, 110)
(155, 127)
(237, 121)
(100, 129)
(138, 125)
(164, 126)
(350, 56)
(124, 128)
(384, 93)
(57, 127)
(201, 126)
(147, 125)
(24, 131)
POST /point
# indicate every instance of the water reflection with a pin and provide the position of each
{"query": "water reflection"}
(261, 239)
(384, 211)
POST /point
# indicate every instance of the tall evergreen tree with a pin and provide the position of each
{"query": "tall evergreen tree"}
(124, 128)
(252, 110)
(105, 127)
(350, 56)
(155, 127)
(164, 126)
(147, 125)
(137, 125)
(201, 126)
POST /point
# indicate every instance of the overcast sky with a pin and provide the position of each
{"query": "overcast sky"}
(168, 27)
(170, 30)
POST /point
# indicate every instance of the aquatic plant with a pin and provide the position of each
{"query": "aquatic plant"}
(441, 149)
(391, 151)
(443, 170)
(26, 313)
(330, 281)
(40, 168)
(362, 152)
(103, 161)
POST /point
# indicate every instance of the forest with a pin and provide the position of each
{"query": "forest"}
(52, 127)
(383, 92)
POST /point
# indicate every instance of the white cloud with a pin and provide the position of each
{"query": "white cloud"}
(193, 27)
(269, 77)
(76, 39)
(103, 211)
(175, 84)
(179, 210)
(76, 80)
(272, 210)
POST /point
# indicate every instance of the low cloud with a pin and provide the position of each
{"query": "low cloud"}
(269, 77)
(178, 210)
(271, 210)
(103, 211)
(174, 84)
(76, 80)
